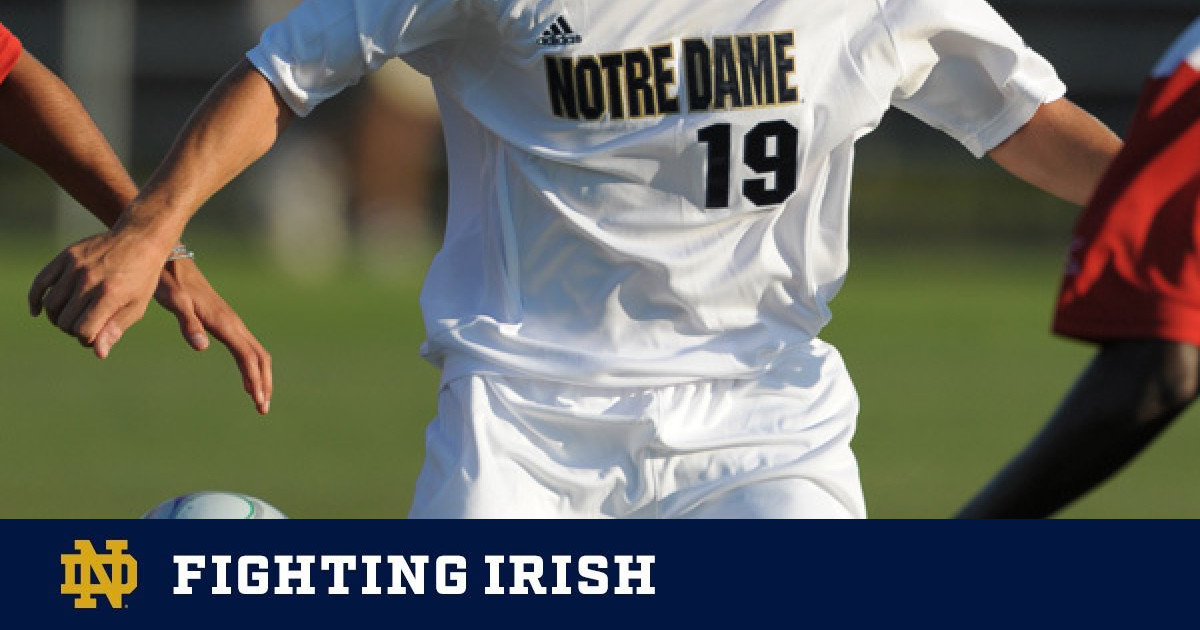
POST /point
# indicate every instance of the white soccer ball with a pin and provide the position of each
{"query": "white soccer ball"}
(214, 504)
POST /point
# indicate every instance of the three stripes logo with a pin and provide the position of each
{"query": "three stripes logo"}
(559, 34)
(86, 575)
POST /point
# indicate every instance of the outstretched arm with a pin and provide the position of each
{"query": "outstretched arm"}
(1130, 392)
(99, 286)
(43, 121)
(1062, 150)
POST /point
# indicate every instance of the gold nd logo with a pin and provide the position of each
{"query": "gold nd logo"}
(119, 580)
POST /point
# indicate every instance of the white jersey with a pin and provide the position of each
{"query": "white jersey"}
(654, 193)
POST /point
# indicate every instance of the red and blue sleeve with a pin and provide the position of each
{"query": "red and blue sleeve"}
(1134, 268)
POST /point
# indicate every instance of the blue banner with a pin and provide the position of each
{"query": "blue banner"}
(931, 574)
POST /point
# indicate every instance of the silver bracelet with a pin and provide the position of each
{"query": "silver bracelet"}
(180, 251)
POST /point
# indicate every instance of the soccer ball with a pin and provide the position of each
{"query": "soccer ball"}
(214, 504)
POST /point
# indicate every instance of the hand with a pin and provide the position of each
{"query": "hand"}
(183, 290)
(98, 287)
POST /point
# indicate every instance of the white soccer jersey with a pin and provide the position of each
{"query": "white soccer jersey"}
(653, 193)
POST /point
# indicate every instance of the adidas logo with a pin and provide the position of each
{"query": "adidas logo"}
(559, 34)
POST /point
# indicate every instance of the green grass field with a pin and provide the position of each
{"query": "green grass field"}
(950, 352)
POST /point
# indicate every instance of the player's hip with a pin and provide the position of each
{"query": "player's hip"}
(505, 445)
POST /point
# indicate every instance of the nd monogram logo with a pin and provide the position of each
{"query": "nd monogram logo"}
(119, 580)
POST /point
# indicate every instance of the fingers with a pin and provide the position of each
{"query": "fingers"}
(74, 303)
(264, 388)
(185, 291)
(106, 339)
(176, 299)
(253, 360)
(108, 333)
(192, 329)
(45, 279)
(72, 316)
(57, 298)
(198, 340)
(256, 380)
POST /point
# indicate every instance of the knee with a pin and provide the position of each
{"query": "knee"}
(1149, 382)
(1177, 376)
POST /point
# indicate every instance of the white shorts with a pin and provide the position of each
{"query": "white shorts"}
(774, 447)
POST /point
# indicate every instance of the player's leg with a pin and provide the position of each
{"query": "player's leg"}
(521, 448)
(469, 470)
(777, 446)
(792, 497)
(1127, 395)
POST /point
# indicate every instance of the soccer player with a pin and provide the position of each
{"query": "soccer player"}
(42, 120)
(647, 223)
(1132, 286)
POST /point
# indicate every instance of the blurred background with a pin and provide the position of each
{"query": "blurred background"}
(322, 245)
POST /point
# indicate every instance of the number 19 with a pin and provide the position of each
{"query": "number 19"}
(760, 154)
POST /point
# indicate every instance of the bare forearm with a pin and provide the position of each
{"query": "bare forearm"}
(236, 124)
(42, 120)
(1063, 150)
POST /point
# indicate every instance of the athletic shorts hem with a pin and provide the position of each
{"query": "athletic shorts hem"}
(1098, 330)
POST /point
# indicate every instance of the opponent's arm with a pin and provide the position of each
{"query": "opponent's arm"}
(1062, 150)
(1128, 394)
(99, 286)
(44, 122)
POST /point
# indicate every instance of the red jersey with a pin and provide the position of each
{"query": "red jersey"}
(1134, 265)
(10, 50)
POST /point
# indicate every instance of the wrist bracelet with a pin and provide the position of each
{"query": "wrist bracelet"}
(180, 251)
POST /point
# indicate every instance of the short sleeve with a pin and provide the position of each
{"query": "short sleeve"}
(10, 51)
(324, 46)
(1186, 49)
(965, 71)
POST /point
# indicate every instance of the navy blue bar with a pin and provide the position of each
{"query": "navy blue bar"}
(951, 574)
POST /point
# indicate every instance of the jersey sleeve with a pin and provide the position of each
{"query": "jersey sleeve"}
(965, 71)
(10, 51)
(1134, 267)
(324, 46)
